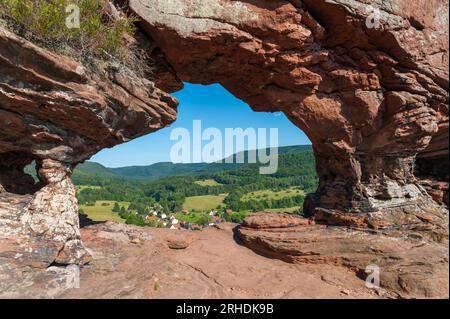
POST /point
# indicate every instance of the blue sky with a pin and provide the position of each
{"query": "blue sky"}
(215, 107)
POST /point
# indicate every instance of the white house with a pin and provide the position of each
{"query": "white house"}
(163, 216)
(175, 221)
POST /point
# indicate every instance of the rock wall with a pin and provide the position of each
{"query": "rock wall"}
(57, 113)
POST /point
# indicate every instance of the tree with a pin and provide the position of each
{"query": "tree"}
(134, 219)
(116, 208)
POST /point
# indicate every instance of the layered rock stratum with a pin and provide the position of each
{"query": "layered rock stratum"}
(367, 81)
(57, 114)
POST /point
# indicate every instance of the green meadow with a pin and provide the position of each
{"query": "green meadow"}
(207, 182)
(102, 211)
(270, 194)
(203, 203)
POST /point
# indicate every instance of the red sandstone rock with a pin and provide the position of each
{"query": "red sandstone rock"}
(410, 267)
(214, 266)
(70, 112)
(177, 243)
(263, 220)
(58, 113)
(179, 239)
(437, 189)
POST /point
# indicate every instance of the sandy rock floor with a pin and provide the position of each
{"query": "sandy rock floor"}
(213, 266)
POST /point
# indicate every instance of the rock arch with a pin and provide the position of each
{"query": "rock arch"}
(371, 100)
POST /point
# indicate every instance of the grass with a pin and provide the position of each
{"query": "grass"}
(208, 182)
(53, 24)
(196, 218)
(270, 194)
(101, 212)
(83, 187)
(284, 210)
(203, 203)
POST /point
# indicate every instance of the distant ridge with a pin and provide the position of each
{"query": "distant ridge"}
(93, 168)
(165, 169)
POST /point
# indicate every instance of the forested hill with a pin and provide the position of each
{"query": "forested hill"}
(160, 170)
(164, 169)
(296, 170)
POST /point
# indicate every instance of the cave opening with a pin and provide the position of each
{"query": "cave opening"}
(19, 174)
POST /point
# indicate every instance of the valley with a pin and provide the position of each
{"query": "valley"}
(199, 195)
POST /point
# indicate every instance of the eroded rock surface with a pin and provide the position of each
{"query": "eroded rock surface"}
(411, 263)
(316, 262)
(213, 266)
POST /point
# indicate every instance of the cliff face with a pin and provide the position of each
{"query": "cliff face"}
(53, 109)
(369, 90)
